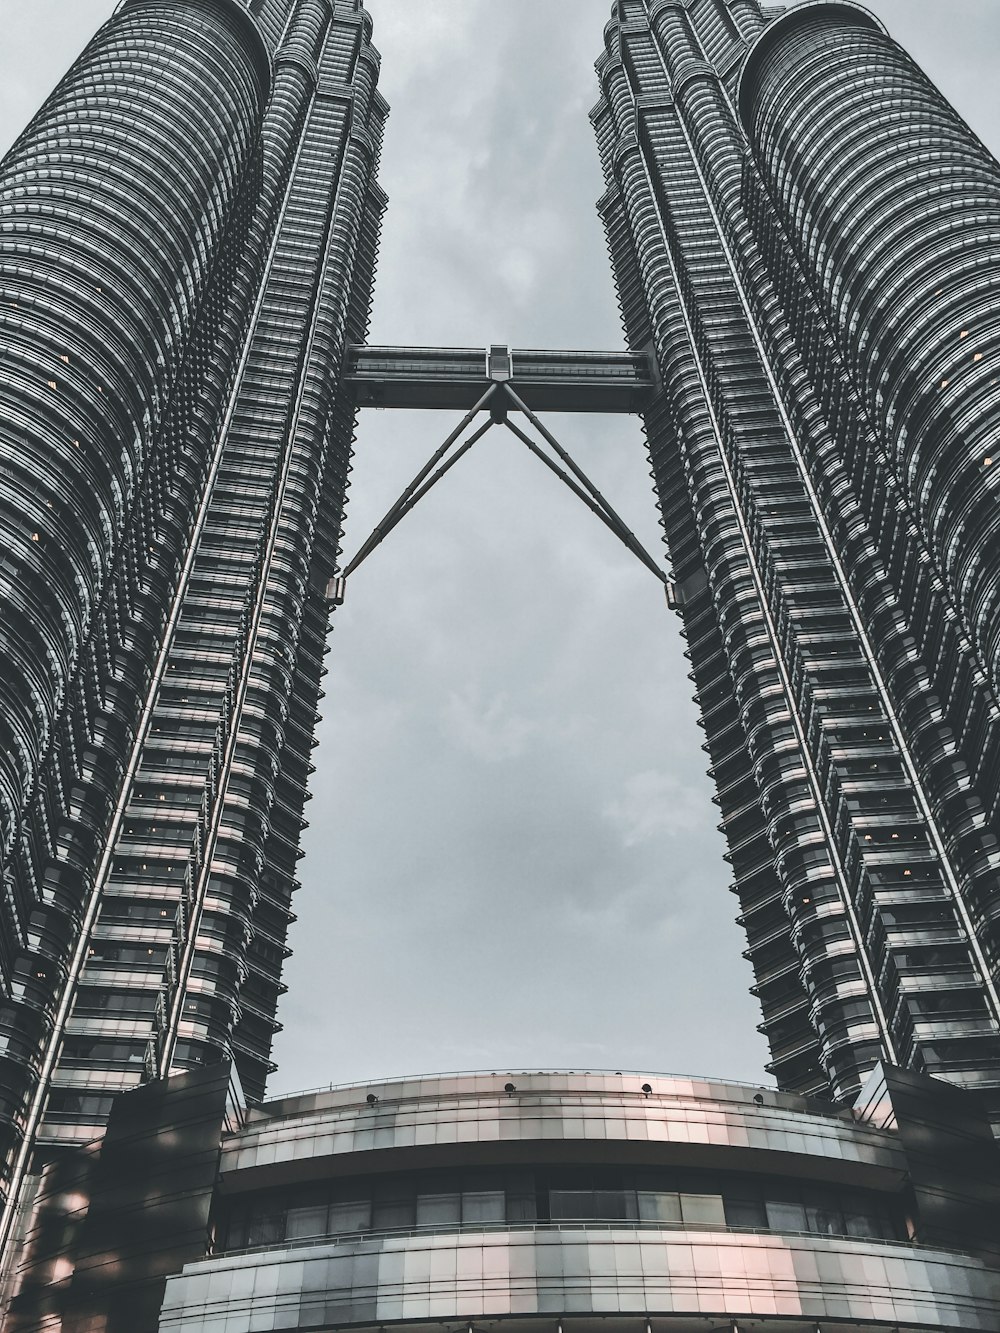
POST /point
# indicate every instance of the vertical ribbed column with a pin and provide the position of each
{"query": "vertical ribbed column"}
(701, 452)
(121, 207)
(893, 206)
(185, 960)
(272, 16)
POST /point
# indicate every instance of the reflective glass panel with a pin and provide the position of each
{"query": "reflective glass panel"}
(483, 1206)
(659, 1206)
(352, 1215)
(705, 1210)
(435, 1210)
(304, 1222)
(785, 1216)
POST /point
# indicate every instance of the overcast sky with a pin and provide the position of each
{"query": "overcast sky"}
(513, 860)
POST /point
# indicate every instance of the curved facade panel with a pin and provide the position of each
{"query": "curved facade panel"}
(677, 1281)
(894, 207)
(594, 1112)
(560, 1200)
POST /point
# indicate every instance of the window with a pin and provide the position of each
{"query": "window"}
(350, 1215)
(435, 1210)
(305, 1222)
(659, 1206)
(643, 1197)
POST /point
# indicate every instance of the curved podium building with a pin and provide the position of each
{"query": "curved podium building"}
(544, 1202)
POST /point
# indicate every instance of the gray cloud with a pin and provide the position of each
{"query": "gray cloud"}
(512, 859)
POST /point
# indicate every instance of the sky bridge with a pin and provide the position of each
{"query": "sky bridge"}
(441, 378)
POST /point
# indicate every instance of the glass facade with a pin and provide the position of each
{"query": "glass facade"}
(822, 459)
(618, 1281)
(474, 1199)
(126, 204)
(191, 229)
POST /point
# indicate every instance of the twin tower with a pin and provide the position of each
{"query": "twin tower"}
(806, 246)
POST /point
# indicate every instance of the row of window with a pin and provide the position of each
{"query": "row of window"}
(570, 1194)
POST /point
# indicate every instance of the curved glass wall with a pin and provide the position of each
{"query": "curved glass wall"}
(555, 1198)
(655, 1197)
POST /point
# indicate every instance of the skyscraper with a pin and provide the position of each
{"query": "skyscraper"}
(191, 224)
(803, 236)
(803, 233)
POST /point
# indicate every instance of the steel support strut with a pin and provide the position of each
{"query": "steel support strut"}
(582, 487)
(393, 516)
(597, 504)
(411, 497)
(621, 528)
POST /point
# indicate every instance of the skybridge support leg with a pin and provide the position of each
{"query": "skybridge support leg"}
(411, 497)
(496, 399)
(626, 534)
(393, 516)
(588, 493)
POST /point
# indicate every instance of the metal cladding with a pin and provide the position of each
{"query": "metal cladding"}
(575, 1198)
(821, 457)
(892, 205)
(189, 241)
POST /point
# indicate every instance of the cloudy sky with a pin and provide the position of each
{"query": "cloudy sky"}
(513, 860)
